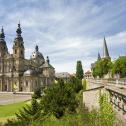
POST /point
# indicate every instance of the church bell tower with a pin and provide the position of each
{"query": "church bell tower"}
(18, 46)
(3, 46)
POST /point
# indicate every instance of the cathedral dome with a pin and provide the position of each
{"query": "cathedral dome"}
(30, 72)
(37, 54)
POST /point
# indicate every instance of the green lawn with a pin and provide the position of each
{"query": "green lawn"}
(11, 109)
(8, 111)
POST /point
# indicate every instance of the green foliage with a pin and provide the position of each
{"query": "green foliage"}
(119, 66)
(59, 99)
(26, 115)
(75, 84)
(37, 93)
(84, 84)
(62, 106)
(79, 70)
(102, 67)
(107, 116)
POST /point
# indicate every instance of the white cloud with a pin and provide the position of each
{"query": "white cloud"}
(67, 31)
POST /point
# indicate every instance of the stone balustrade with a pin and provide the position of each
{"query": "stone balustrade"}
(117, 98)
(116, 82)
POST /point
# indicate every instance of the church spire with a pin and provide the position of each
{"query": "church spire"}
(105, 49)
(2, 35)
(18, 31)
(99, 57)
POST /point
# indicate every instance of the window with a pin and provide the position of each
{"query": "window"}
(26, 83)
(21, 52)
(15, 51)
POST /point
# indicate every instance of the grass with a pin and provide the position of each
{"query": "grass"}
(8, 111)
(11, 109)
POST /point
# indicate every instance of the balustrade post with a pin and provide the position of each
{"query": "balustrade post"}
(123, 104)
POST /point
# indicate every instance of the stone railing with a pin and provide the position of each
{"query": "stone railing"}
(117, 98)
(115, 82)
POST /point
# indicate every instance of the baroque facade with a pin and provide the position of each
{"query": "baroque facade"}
(20, 74)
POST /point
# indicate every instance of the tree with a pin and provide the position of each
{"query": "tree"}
(119, 66)
(59, 98)
(79, 70)
(75, 84)
(102, 67)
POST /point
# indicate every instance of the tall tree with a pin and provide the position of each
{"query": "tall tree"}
(102, 67)
(79, 70)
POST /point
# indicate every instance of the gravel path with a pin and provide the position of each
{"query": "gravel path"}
(9, 98)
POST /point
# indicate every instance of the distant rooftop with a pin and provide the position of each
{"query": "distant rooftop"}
(63, 75)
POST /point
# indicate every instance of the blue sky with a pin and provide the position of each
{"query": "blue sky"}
(67, 30)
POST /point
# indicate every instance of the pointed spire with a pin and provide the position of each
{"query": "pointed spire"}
(2, 35)
(99, 57)
(36, 48)
(105, 49)
(47, 60)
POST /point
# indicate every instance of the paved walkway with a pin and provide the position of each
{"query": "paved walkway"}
(9, 98)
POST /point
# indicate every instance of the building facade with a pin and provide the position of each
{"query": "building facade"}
(20, 74)
(88, 75)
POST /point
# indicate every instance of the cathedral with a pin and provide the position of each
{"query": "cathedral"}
(20, 74)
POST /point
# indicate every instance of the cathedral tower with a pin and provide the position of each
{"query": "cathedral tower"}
(18, 47)
(3, 46)
(99, 57)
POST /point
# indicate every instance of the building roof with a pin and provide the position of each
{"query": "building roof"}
(88, 72)
(47, 64)
(62, 75)
(30, 72)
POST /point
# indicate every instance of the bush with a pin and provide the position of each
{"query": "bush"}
(107, 115)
